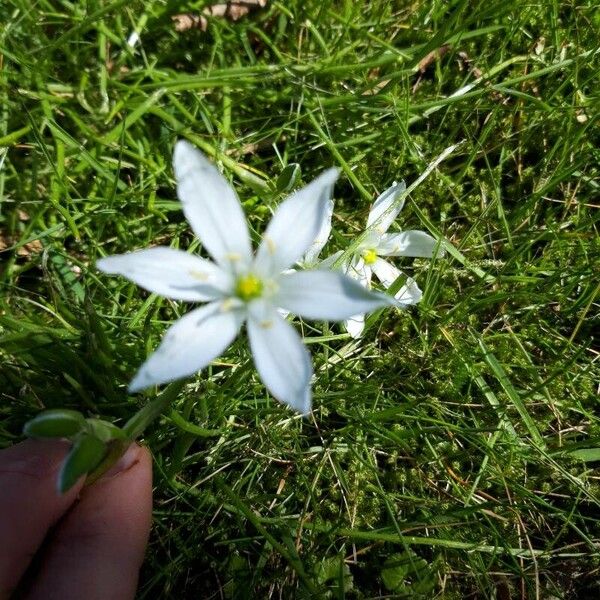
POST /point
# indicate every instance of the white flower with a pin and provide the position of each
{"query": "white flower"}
(376, 242)
(241, 287)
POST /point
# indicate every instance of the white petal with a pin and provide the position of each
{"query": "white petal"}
(190, 344)
(355, 325)
(386, 272)
(295, 225)
(282, 361)
(311, 255)
(409, 293)
(327, 295)
(327, 263)
(171, 273)
(409, 243)
(360, 271)
(212, 208)
(386, 208)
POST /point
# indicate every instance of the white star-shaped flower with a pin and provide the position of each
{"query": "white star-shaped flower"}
(239, 286)
(376, 243)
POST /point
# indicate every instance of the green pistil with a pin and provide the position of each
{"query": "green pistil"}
(249, 287)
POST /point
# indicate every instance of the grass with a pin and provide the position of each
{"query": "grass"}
(453, 451)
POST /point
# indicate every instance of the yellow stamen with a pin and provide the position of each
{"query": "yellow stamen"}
(199, 275)
(227, 304)
(369, 256)
(270, 245)
(249, 287)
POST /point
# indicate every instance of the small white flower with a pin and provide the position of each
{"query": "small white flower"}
(241, 287)
(376, 242)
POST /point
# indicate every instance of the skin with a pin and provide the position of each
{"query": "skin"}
(88, 543)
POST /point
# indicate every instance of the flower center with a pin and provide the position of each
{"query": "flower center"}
(249, 287)
(369, 256)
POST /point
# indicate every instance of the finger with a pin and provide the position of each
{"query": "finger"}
(29, 503)
(98, 548)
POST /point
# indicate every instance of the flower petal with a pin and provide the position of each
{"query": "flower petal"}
(281, 359)
(327, 295)
(355, 325)
(295, 225)
(327, 263)
(360, 271)
(311, 255)
(190, 344)
(409, 293)
(386, 208)
(212, 208)
(387, 273)
(409, 243)
(170, 273)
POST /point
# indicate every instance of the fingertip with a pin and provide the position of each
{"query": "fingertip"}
(101, 542)
(135, 456)
(29, 503)
(124, 494)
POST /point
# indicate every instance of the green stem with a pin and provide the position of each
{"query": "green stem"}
(138, 423)
(134, 428)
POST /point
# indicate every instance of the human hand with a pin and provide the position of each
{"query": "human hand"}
(88, 543)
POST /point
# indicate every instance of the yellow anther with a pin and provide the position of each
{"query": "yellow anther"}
(369, 256)
(270, 245)
(227, 304)
(249, 287)
(199, 275)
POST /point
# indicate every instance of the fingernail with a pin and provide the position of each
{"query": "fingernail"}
(126, 461)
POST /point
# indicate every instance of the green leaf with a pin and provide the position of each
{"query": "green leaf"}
(288, 178)
(191, 427)
(54, 423)
(586, 454)
(114, 451)
(136, 425)
(334, 573)
(409, 575)
(105, 431)
(512, 394)
(395, 571)
(86, 454)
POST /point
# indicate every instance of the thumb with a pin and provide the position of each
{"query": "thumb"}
(98, 548)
